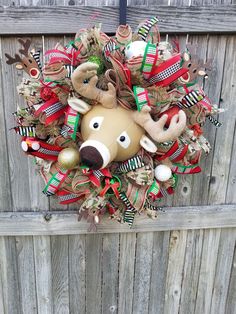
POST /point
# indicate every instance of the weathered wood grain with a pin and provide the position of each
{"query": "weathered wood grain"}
(207, 270)
(231, 300)
(221, 162)
(185, 19)
(143, 264)
(126, 272)
(9, 276)
(52, 223)
(77, 264)
(174, 275)
(26, 273)
(60, 277)
(43, 274)
(191, 271)
(110, 256)
(93, 273)
(223, 270)
(160, 255)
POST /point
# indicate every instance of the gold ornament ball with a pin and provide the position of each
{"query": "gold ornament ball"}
(68, 158)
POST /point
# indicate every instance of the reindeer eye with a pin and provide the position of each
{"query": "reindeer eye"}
(30, 61)
(189, 65)
(96, 123)
(194, 70)
(124, 140)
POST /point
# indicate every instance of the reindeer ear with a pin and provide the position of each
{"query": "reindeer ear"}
(186, 56)
(79, 105)
(147, 144)
(19, 66)
(201, 73)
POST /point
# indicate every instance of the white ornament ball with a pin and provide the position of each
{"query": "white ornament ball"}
(135, 49)
(163, 173)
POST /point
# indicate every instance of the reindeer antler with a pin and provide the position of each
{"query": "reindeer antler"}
(12, 60)
(88, 71)
(156, 128)
(26, 44)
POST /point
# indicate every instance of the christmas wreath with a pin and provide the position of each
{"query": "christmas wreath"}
(112, 121)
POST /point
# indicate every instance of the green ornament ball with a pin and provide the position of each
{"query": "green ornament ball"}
(98, 61)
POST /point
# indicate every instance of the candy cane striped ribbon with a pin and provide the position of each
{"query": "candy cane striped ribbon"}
(55, 182)
(144, 30)
(58, 55)
(72, 122)
(141, 97)
(190, 99)
(131, 164)
(149, 60)
(29, 131)
(181, 169)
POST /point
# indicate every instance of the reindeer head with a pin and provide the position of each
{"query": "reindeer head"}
(110, 132)
(29, 62)
(195, 68)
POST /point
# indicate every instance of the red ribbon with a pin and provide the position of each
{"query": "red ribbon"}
(108, 185)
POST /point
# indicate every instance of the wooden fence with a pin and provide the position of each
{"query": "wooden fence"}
(184, 262)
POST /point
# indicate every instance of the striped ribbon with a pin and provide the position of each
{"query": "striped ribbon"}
(149, 60)
(66, 197)
(181, 169)
(19, 113)
(214, 121)
(167, 72)
(53, 109)
(29, 131)
(55, 182)
(152, 207)
(36, 57)
(69, 69)
(154, 189)
(130, 210)
(175, 153)
(47, 151)
(109, 47)
(144, 30)
(141, 97)
(58, 55)
(131, 164)
(72, 122)
(96, 175)
(190, 99)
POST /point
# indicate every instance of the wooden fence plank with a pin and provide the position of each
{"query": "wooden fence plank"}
(93, 273)
(126, 272)
(5, 188)
(52, 223)
(43, 274)
(26, 272)
(185, 19)
(77, 273)
(223, 270)
(9, 276)
(221, 162)
(60, 278)
(231, 298)
(143, 265)
(159, 270)
(191, 271)
(18, 164)
(175, 271)
(110, 258)
(207, 270)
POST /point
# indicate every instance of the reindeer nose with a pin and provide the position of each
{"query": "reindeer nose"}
(91, 157)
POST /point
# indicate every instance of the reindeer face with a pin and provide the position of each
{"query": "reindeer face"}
(108, 134)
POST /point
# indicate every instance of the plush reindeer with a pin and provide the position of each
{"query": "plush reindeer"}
(30, 62)
(110, 132)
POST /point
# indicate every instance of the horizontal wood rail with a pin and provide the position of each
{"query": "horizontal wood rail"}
(59, 223)
(66, 20)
